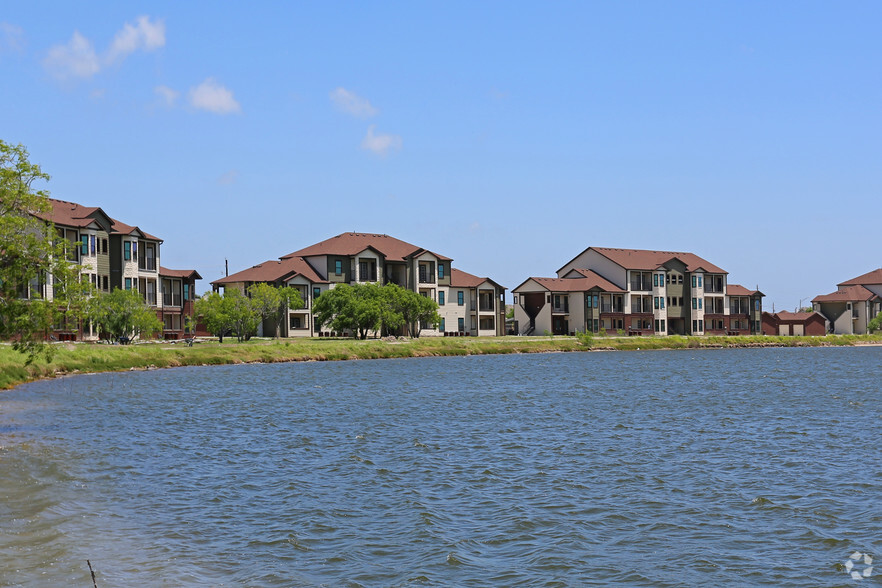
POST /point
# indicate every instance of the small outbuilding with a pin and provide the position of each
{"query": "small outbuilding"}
(812, 324)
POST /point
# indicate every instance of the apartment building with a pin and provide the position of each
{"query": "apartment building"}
(468, 305)
(637, 292)
(112, 254)
(853, 305)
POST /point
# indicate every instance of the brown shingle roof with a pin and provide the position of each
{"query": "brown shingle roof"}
(739, 290)
(121, 228)
(461, 279)
(846, 294)
(795, 316)
(590, 280)
(188, 273)
(273, 271)
(352, 243)
(641, 259)
(873, 277)
(69, 214)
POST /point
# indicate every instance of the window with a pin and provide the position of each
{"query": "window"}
(667, 279)
(338, 267)
(316, 292)
(655, 279)
(700, 325)
(662, 301)
(699, 281)
(663, 325)
(596, 298)
(694, 281)
(680, 301)
(128, 283)
(460, 324)
(655, 301)
(440, 271)
(297, 322)
(460, 299)
(92, 245)
(699, 304)
(516, 299)
(680, 279)
(588, 300)
(186, 291)
(135, 249)
(757, 304)
(694, 303)
(104, 280)
(441, 300)
(104, 246)
(84, 248)
(441, 326)
(127, 251)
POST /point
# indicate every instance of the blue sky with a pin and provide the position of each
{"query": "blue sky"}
(509, 136)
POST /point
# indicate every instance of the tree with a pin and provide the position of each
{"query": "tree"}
(875, 324)
(272, 302)
(413, 308)
(357, 309)
(214, 314)
(123, 315)
(243, 317)
(28, 257)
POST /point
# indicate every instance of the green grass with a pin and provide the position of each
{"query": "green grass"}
(88, 358)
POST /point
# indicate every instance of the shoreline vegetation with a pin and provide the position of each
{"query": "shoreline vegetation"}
(83, 358)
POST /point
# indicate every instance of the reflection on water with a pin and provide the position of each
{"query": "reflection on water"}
(641, 468)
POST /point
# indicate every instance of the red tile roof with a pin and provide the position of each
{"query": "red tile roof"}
(640, 259)
(188, 273)
(273, 271)
(846, 294)
(873, 277)
(351, 243)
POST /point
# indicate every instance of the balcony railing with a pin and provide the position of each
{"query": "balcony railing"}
(563, 308)
(485, 307)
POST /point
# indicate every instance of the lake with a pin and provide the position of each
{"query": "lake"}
(645, 468)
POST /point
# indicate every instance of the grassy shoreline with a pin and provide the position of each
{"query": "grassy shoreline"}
(87, 358)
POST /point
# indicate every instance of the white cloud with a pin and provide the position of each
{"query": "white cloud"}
(211, 96)
(144, 35)
(231, 177)
(353, 104)
(168, 95)
(380, 144)
(11, 37)
(76, 59)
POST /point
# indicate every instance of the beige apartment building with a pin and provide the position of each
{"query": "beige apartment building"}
(468, 305)
(637, 292)
(853, 305)
(112, 254)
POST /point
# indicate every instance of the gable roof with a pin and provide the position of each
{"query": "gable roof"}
(739, 290)
(121, 228)
(461, 279)
(846, 294)
(274, 270)
(352, 243)
(642, 259)
(187, 273)
(70, 214)
(785, 315)
(873, 277)
(589, 280)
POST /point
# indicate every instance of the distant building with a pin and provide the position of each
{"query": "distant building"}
(112, 254)
(637, 292)
(812, 324)
(853, 305)
(468, 304)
